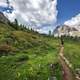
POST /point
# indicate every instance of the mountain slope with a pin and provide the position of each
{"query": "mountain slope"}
(66, 30)
(25, 54)
(3, 18)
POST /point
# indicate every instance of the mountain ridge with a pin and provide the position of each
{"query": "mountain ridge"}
(3, 18)
(66, 30)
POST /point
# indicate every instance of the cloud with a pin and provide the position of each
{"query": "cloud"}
(2, 2)
(74, 22)
(35, 13)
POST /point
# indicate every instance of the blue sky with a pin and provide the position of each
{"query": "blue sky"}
(43, 17)
(67, 9)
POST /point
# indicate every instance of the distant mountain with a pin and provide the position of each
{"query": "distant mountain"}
(3, 18)
(66, 30)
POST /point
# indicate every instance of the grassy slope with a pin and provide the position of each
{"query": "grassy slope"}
(32, 56)
(72, 52)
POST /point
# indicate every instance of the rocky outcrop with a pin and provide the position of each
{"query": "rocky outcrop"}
(66, 30)
(3, 18)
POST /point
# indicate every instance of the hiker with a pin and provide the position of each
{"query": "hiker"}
(62, 42)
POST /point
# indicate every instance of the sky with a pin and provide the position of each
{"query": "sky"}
(67, 9)
(44, 15)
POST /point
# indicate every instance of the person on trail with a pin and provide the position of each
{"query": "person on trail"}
(62, 41)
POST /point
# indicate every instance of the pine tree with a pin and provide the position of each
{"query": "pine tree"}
(16, 24)
(49, 32)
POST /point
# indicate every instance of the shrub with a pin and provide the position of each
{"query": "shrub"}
(22, 58)
(5, 49)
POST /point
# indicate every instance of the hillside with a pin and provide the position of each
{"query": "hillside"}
(26, 54)
(3, 18)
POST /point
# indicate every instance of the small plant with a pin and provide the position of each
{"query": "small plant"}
(22, 58)
(5, 49)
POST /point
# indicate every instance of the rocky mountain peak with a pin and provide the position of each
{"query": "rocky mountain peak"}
(66, 30)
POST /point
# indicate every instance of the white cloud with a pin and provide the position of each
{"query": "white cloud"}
(74, 22)
(34, 12)
(2, 2)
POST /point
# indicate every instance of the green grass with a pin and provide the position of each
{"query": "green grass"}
(33, 53)
(72, 52)
(37, 67)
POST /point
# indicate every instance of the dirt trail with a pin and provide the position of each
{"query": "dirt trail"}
(67, 74)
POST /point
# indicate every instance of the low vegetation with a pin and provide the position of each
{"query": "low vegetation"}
(72, 52)
(27, 55)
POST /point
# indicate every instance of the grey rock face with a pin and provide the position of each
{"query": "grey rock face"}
(3, 18)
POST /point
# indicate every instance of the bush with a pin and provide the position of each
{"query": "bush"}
(22, 58)
(5, 49)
